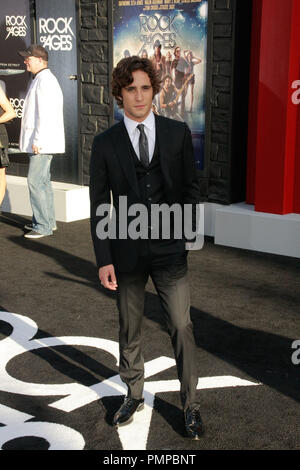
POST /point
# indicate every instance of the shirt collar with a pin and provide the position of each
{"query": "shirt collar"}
(45, 68)
(130, 124)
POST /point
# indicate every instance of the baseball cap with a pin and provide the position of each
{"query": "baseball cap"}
(35, 51)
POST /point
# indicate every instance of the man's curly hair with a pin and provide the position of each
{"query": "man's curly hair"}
(122, 75)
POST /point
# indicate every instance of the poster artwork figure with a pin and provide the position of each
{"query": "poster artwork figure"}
(169, 99)
(158, 61)
(191, 61)
(179, 66)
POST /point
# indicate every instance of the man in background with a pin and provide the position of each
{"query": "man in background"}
(42, 135)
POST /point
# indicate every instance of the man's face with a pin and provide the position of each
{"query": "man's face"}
(33, 64)
(177, 52)
(137, 97)
(168, 82)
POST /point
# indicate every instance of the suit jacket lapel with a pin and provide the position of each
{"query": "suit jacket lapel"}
(121, 145)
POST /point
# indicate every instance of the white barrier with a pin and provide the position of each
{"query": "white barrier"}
(71, 201)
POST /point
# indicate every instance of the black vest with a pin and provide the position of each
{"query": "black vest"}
(151, 188)
(150, 180)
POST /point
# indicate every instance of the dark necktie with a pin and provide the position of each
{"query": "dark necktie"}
(143, 146)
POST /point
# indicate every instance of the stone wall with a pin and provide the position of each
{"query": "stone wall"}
(94, 97)
(227, 110)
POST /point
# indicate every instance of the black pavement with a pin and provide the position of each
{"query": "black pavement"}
(59, 384)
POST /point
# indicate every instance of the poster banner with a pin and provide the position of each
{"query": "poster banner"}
(173, 35)
(15, 35)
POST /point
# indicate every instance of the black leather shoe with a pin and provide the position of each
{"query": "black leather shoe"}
(193, 423)
(125, 414)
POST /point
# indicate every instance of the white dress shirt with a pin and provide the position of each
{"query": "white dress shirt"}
(134, 133)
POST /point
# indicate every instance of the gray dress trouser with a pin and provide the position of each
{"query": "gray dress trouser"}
(171, 283)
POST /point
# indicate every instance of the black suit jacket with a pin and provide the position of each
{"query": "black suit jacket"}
(112, 172)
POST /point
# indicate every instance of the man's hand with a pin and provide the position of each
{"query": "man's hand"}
(36, 149)
(107, 277)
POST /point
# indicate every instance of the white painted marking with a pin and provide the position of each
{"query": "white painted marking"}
(58, 436)
(10, 416)
(133, 436)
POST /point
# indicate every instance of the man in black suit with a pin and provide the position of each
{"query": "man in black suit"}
(147, 160)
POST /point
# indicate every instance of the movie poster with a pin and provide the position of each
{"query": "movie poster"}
(15, 35)
(172, 34)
